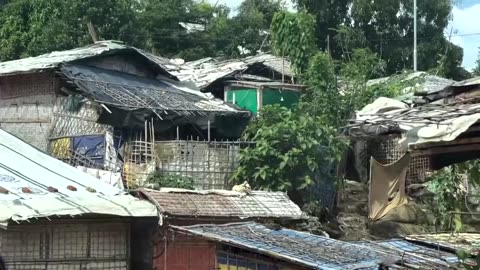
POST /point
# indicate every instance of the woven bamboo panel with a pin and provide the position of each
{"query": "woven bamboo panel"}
(71, 121)
(66, 246)
(209, 164)
(387, 150)
(27, 85)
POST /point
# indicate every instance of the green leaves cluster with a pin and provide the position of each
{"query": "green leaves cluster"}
(158, 180)
(293, 36)
(293, 151)
(449, 192)
(386, 28)
(29, 28)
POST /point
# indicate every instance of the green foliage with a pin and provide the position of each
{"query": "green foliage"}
(476, 70)
(30, 28)
(322, 97)
(158, 181)
(293, 152)
(386, 27)
(465, 256)
(293, 36)
(445, 186)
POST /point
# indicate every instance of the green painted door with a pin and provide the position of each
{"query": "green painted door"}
(244, 98)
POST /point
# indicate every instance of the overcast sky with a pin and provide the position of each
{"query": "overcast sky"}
(465, 26)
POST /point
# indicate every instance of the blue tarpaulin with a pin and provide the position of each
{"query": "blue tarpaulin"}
(91, 147)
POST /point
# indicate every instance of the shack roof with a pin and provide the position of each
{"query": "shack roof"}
(55, 59)
(415, 255)
(427, 123)
(303, 249)
(467, 242)
(208, 72)
(133, 92)
(223, 204)
(35, 185)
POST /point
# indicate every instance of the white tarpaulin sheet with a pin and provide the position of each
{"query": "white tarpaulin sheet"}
(40, 186)
(429, 123)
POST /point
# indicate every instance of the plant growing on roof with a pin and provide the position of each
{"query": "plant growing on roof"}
(158, 180)
(293, 152)
(293, 37)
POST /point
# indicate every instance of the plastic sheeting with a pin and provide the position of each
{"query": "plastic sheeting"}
(387, 187)
(29, 176)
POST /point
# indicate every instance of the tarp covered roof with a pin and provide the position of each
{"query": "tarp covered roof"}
(166, 98)
(428, 123)
(224, 204)
(35, 185)
(303, 249)
(207, 71)
(55, 59)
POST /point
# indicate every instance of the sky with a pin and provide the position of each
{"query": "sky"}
(466, 30)
(464, 27)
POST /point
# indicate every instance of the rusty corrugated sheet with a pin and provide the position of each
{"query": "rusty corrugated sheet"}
(257, 204)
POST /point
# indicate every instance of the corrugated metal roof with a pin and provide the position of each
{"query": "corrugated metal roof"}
(41, 186)
(55, 59)
(421, 257)
(206, 71)
(304, 249)
(224, 204)
(468, 242)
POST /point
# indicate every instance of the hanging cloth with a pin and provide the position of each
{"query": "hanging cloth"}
(387, 187)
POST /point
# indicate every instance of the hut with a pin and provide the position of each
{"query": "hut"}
(53, 216)
(180, 207)
(116, 112)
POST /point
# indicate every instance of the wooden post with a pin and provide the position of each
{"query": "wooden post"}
(92, 31)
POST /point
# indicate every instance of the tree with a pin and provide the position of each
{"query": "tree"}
(30, 28)
(294, 152)
(476, 69)
(386, 27)
(293, 36)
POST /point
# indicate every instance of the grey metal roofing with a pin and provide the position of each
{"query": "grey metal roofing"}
(35, 185)
(422, 83)
(131, 92)
(303, 249)
(55, 59)
(416, 255)
(206, 71)
(224, 204)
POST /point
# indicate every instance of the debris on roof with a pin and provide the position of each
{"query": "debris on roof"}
(224, 204)
(303, 249)
(132, 92)
(41, 186)
(55, 59)
(414, 256)
(192, 27)
(136, 98)
(467, 242)
(207, 71)
(428, 123)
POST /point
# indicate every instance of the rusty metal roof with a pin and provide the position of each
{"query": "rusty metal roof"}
(303, 249)
(224, 204)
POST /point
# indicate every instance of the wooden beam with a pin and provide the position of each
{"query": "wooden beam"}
(447, 150)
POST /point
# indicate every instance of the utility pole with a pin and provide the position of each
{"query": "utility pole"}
(415, 35)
